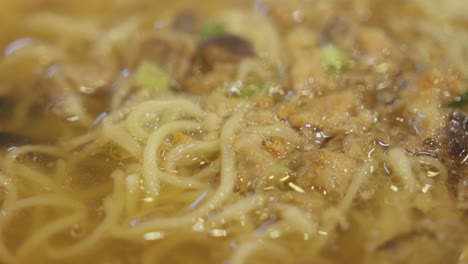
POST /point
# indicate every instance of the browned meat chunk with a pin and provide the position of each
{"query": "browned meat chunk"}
(325, 169)
(377, 43)
(335, 112)
(185, 21)
(253, 161)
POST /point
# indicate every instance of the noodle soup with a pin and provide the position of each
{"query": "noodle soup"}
(233, 132)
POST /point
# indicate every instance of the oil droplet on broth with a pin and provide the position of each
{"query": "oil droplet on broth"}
(218, 232)
(77, 231)
(199, 226)
(154, 235)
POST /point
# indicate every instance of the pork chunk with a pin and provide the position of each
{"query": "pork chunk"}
(326, 112)
(325, 169)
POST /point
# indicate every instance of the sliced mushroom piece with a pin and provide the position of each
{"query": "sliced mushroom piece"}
(89, 79)
(458, 137)
(172, 50)
(225, 48)
(71, 90)
(259, 29)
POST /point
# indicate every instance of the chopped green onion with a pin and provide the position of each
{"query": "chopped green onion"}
(334, 59)
(149, 75)
(459, 101)
(212, 29)
(248, 91)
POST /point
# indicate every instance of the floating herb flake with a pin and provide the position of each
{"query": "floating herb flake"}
(459, 101)
(212, 29)
(334, 59)
(248, 91)
(149, 75)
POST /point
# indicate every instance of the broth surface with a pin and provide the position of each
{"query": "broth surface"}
(233, 131)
